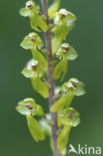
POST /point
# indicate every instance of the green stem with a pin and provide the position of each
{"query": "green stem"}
(50, 79)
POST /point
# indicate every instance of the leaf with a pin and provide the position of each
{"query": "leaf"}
(60, 68)
(72, 54)
(40, 87)
(35, 129)
(62, 102)
(40, 58)
(25, 12)
(53, 8)
(63, 138)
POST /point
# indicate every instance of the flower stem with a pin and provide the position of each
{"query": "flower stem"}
(50, 79)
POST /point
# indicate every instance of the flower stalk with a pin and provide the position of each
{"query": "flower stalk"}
(50, 79)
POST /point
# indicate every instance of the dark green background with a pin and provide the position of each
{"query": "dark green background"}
(87, 38)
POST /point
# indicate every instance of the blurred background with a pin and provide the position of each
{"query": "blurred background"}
(87, 38)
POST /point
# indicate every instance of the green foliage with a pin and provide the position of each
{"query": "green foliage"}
(61, 22)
